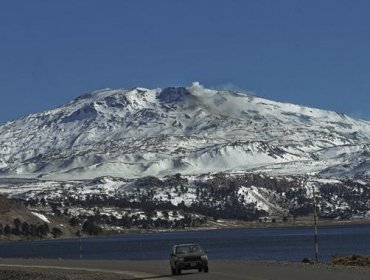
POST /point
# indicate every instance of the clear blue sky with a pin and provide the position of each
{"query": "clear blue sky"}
(315, 53)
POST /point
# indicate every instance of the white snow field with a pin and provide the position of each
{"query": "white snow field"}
(131, 133)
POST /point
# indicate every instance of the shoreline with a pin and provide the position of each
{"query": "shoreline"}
(229, 225)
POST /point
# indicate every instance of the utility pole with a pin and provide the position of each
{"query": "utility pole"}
(315, 224)
(80, 243)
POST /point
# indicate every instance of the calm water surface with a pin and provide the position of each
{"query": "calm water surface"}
(282, 244)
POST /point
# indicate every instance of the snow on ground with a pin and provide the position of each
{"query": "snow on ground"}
(175, 198)
(259, 197)
(41, 217)
(141, 132)
(327, 181)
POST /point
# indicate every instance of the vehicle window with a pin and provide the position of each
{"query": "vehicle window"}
(188, 249)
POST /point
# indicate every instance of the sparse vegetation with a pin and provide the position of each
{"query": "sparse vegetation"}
(27, 230)
(354, 260)
(176, 202)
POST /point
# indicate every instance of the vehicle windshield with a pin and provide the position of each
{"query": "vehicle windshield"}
(188, 249)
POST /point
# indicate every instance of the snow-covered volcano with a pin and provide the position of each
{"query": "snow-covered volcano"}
(138, 132)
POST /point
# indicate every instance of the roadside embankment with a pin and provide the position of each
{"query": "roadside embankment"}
(40, 269)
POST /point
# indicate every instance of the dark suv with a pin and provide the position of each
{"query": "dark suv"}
(188, 256)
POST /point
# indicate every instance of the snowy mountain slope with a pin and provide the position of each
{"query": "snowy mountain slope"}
(227, 195)
(139, 132)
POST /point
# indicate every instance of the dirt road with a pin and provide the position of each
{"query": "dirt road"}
(119, 270)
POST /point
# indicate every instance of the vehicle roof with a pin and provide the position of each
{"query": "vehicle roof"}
(187, 244)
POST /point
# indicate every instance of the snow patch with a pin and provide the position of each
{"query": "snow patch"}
(41, 217)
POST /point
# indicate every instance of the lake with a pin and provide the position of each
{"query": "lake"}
(278, 244)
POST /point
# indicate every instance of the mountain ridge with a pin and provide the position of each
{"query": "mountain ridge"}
(158, 132)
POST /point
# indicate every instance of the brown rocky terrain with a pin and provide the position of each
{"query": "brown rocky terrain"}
(10, 210)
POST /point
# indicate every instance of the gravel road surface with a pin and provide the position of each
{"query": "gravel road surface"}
(40, 269)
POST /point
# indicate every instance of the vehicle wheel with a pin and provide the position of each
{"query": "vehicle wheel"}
(178, 271)
(173, 271)
(200, 269)
(205, 269)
